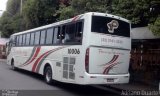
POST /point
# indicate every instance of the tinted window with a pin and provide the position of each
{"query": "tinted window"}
(109, 25)
(49, 37)
(37, 38)
(43, 35)
(73, 33)
(32, 39)
(28, 39)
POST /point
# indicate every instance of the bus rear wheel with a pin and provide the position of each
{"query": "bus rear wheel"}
(48, 75)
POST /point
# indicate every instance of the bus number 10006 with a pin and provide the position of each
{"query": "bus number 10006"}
(73, 51)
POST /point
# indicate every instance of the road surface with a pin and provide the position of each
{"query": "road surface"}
(24, 83)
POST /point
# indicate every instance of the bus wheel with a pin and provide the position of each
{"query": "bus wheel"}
(48, 75)
(12, 65)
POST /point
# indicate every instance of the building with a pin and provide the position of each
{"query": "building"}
(145, 56)
(3, 42)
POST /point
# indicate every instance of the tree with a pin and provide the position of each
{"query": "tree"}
(137, 11)
(9, 22)
(39, 12)
(81, 6)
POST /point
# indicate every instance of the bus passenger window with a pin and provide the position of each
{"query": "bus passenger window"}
(70, 33)
(63, 33)
(20, 40)
(17, 40)
(73, 33)
(24, 39)
(37, 38)
(49, 37)
(32, 39)
(28, 39)
(56, 39)
(79, 32)
(43, 35)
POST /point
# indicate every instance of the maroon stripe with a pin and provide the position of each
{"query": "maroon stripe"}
(111, 63)
(36, 62)
(42, 57)
(108, 68)
(113, 59)
(35, 55)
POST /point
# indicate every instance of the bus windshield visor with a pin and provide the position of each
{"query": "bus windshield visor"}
(112, 26)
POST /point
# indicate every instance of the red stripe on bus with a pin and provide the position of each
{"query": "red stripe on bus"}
(35, 55)
(106, 71)
(41, 61)
(111, 63)
(32, 54)
(37, 61)
(42, 57)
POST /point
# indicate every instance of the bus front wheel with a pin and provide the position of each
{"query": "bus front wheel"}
(48, 75)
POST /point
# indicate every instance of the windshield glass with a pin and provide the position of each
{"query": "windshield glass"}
(111, 26)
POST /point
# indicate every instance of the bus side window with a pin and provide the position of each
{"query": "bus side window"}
(70, 34)
(56, 39)
(43, 36)
(49, 38)
(17, 40)
(28, 39)
(37, 38)
(79, 30)
(32, 38)
(73, 33)
(20, 40)
(24, 39)
(63, 33)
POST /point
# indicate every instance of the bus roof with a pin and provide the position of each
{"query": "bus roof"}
(70, 20)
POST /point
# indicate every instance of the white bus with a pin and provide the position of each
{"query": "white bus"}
(91, 48)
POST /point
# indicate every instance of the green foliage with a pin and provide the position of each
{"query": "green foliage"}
(36, 13)
(156, 27)
(66, 12)
(137, 11)
(10, 20)
(39, 12)
(81, 6)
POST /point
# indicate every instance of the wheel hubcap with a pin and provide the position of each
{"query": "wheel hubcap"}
(48, 75)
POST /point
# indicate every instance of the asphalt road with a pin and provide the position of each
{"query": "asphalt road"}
(24, 83)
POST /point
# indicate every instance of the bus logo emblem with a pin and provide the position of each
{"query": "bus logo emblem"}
(112, 26)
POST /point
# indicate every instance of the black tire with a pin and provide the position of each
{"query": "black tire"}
(12, 65)
(48, 75)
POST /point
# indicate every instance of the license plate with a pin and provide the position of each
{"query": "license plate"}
(110, 80)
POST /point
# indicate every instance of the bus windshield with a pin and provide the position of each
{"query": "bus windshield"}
(108, 25)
